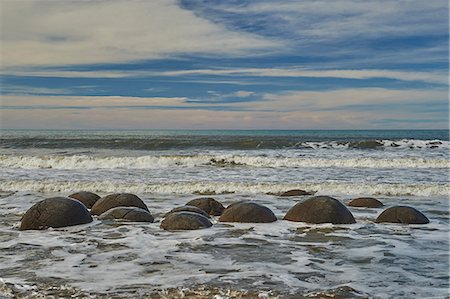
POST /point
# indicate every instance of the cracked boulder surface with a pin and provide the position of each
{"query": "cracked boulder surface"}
(117, 200)
(86, 197)
(208, 204)
(402, 214)
(128, 214)
(55, 212)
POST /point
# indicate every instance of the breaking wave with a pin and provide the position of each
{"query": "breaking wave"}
(208, 188)
(155, 162)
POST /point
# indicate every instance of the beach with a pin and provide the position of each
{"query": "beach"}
(283, 259)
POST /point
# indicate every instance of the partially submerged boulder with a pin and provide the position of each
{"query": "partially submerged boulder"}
(320, 209)
(55, 212)
(365, 202)
(128, 214)
(208, 204)
(366, 144)
(185, 221)
(192, 209)
(117, 200)
(249, 212)
(402, 214)
(296, 192)
(86, 197)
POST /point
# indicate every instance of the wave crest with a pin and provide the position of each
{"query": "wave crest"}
(155, 162)
(329, 188)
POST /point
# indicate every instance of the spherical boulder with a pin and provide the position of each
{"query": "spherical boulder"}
(185, 221)
(402, 214)
(296, 192)
(365, 202)
(87, 198)
(188, 209)
(207, 204)
(249, 212)
(320, 209)
(55, 212)
(117, 200)
(128, 214)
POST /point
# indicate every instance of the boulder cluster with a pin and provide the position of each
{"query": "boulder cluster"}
(77, 209)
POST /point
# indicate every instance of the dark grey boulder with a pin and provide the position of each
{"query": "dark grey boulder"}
(296, 192)
(117, 200)
(320, 209)
(87, 198)
(188, 209)
(248, 212)
(127, 214)
(365, 202)
(402, 214)
(185, 221)
(55, 212)
(208, 204)
(367, 144)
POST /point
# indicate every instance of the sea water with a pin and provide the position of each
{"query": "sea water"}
(168, 168)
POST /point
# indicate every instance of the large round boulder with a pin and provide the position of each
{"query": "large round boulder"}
(191, 209)
(249, 212)
(402, 214)
(87, 198)
(207, 204)
(365, 202)
(320, 209)
(185, 221)
(296, 192)
(117, 200)
(55, 212)
(127, 214)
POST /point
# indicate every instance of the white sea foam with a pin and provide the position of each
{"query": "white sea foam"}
(155, 162)
(328, 187)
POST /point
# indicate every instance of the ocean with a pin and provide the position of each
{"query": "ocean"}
(282, 259)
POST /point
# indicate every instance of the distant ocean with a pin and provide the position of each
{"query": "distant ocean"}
(168, 168)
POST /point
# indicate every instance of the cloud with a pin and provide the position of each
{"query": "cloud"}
(437, 77)
(432, 77)
(355, 101)
(349, 31)
(335, 109)
(49, 33)
(17, 101)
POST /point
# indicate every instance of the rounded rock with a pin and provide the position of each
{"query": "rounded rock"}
(191, 209)
(185, 221)
(365, 202)
(55, 212)
(86, 197)
(296, 192)
(247, 212)
(208, 204)
(320, 209)
(117, 200)
(128, 214)
(402, 214)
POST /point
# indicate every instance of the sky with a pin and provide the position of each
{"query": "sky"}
(236, 64)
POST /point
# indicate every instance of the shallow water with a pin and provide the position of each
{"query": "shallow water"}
(286, 258)
(232, 260)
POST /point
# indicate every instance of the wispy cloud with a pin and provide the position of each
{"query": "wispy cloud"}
(344, 99)
(87, 101)
(433, 77)
(45, 33)
(437, 77)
